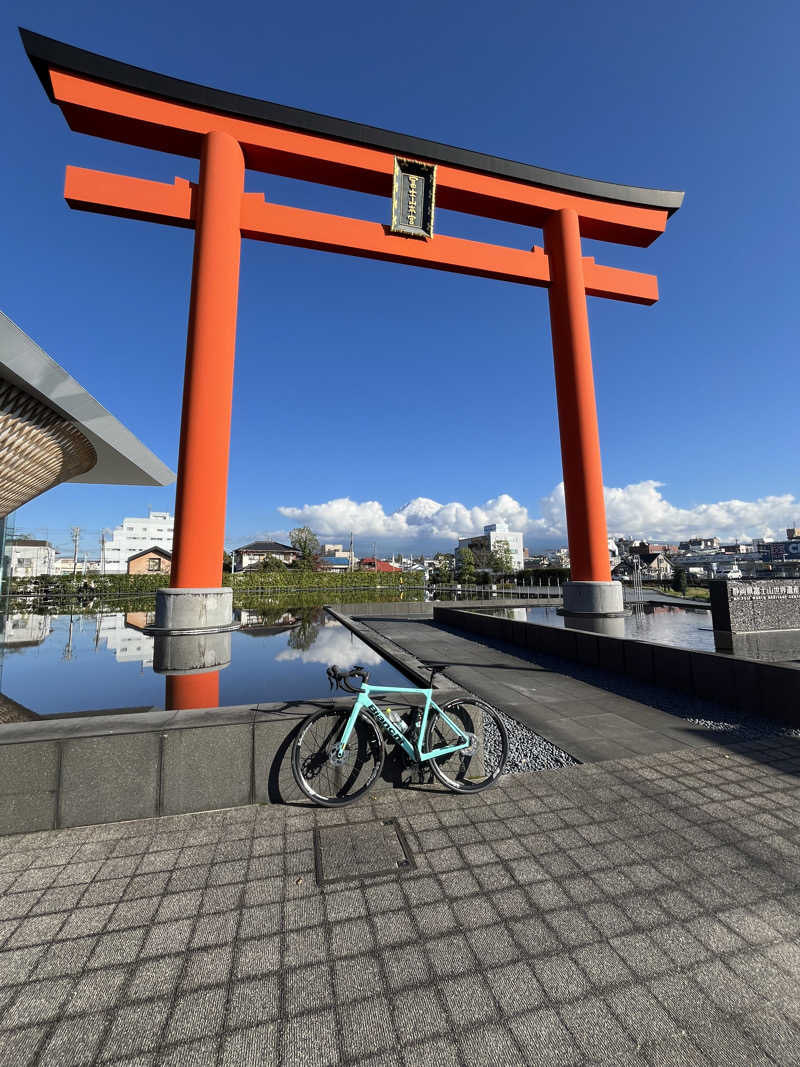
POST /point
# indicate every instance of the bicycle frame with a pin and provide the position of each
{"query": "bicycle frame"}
(363, 700)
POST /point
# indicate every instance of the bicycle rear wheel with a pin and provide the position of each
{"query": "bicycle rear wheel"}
(321, 774)
(481, 763)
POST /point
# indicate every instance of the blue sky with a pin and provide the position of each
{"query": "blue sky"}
(346, 409)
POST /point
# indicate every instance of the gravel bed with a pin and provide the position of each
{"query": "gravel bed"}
(527, 751)
(747, 727)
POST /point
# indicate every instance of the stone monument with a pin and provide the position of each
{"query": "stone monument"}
(757, 619)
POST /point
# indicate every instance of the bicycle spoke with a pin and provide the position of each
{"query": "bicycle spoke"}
(322, 772)
(476, 766)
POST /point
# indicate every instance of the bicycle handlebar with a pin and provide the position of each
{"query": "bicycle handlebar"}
(340, 678)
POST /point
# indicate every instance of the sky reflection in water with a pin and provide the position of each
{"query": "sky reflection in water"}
(666, 624)
(55, 665)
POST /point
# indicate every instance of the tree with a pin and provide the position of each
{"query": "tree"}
(680, 580)
(443, 571)
(306, 544)
(481, 556)
(465, 565)
(500, 559)
(227, 563)
(272, 563)
(304, 635)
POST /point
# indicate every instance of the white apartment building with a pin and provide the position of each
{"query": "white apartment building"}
(128, 643)
(31, 558)
(21, 631)
(134, 535)
(497, 535)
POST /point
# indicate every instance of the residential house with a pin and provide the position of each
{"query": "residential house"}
(653, 566)
(369, 563)
(153, 560)
(334, 563)
(30, 558)
(250, 557)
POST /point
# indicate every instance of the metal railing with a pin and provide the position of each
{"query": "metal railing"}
(498, 591)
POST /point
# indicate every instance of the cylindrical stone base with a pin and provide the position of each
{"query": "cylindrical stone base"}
(201, 610)
(594, 599)
(608, 625)
(191, 653)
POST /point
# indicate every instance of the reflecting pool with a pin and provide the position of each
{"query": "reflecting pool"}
(681, 625)
(67, 664)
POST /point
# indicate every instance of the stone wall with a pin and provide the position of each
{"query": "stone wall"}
(769, 689)
(88, 769)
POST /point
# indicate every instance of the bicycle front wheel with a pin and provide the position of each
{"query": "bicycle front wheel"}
(479, 764)
(319, 771)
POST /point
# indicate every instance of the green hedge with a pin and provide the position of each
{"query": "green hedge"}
(278, 581)
(89, 585)
(290, 586)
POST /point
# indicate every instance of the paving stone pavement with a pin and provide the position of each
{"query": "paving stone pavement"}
(644, 910)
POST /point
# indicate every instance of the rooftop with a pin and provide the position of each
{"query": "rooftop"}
(266, 546)
(122, 459)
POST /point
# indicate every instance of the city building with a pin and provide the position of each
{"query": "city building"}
(496, 536)
(24, 630)
(781, 550)
(122, 635)
(53, 431)
(643, 548)
(699, 544)
(29, 558)
(250, 557)
(536, 562)
(153, 560)
(133, 536)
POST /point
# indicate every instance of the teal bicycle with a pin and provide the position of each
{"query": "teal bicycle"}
(337, 756)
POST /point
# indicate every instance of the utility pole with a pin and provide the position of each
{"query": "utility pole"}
(76, 540)
(350, 567)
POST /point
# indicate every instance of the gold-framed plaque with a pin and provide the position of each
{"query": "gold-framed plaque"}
(413, 197)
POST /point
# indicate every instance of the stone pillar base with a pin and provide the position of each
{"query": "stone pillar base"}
(191, 653)
(594, 600)
(193, 611)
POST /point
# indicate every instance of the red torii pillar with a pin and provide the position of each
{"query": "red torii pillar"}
(591, 590)
(195, 599)
(208, 381)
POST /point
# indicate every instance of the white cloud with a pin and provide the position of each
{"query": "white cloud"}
(636, 510)
(335, 644)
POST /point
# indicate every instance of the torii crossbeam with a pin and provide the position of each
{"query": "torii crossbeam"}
(229, 133)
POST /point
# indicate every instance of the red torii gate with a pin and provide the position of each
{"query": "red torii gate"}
(228, 133)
